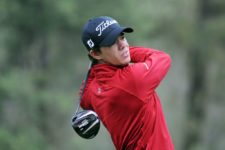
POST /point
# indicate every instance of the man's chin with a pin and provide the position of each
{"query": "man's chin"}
(125, 63)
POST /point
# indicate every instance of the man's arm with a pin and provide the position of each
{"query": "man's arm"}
(148, 69)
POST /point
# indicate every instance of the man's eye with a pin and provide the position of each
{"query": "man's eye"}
(122, 37)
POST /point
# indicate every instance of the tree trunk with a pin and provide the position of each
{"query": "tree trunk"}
(198, 64)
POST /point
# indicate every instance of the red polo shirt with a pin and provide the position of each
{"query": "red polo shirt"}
(127, 103)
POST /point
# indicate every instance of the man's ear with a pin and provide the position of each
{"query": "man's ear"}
(95, 54)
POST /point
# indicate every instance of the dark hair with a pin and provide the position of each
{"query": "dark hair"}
(94, 61)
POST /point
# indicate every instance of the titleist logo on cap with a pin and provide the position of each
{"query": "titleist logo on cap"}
(104, 25)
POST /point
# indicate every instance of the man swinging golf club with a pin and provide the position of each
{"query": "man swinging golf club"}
(121, 87)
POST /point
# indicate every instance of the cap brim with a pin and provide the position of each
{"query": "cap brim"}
(113, 35)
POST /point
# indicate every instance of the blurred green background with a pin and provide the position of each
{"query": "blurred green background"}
(42, 63)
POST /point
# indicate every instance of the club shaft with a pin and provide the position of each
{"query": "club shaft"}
(84, 85)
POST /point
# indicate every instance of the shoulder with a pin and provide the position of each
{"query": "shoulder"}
(131, 73)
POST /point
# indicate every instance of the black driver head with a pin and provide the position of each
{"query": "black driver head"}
(86, 124)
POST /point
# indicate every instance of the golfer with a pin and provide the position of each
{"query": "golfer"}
(121, 86)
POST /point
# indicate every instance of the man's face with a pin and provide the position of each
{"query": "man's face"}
(117, 54)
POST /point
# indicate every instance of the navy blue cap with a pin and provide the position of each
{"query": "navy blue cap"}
(102, 31)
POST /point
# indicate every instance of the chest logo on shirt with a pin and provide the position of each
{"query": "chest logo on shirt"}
(99, 90)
